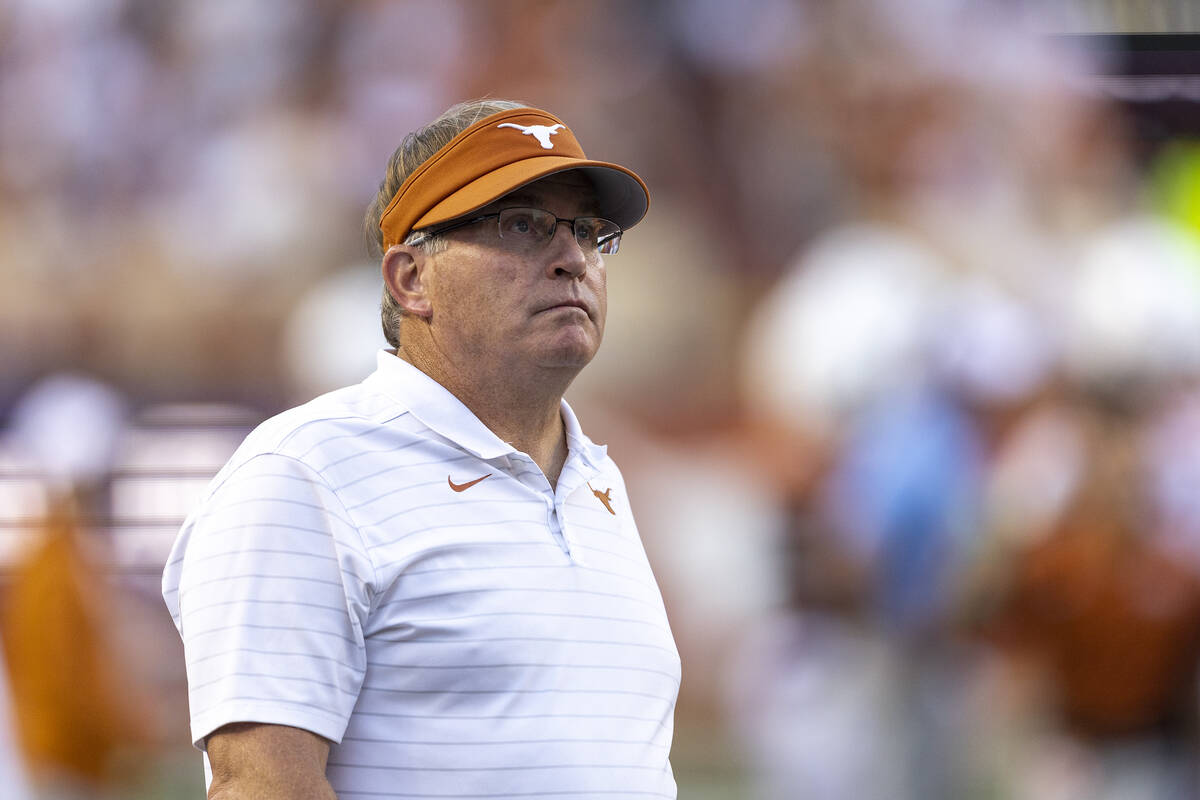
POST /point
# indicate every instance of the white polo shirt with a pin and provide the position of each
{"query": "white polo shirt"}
(377, 567)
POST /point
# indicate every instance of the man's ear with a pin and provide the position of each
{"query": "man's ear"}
(404, 273)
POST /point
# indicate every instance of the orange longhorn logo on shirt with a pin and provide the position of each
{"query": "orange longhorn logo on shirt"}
(604, 497)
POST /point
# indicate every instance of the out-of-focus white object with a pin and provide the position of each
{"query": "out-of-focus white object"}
(334, 333)
(720, 527)
(167, 458)
(816, 703)
(68, 427)
(1134, 310)
(847, 322)
(258, 185)
(988, 344)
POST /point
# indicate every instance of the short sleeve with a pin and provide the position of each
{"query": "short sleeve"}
(270, 586)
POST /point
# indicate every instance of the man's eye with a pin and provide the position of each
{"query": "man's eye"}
(519, 224)
(586, 234)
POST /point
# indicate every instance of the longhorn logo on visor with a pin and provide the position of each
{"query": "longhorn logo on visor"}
(540, 132)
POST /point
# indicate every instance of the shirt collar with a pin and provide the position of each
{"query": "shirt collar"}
(578, 444)
(445, 414)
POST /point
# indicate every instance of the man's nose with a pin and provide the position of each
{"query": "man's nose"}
(567, 257)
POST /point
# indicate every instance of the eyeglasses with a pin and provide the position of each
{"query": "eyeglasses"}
(530, 229)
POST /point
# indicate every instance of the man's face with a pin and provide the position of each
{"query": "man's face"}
(493, 308)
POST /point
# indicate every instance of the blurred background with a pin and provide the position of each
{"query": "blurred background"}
(903, 367)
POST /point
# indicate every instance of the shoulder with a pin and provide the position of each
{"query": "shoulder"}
(317, 432)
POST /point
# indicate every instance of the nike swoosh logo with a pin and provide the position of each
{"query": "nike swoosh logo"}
(462, 487)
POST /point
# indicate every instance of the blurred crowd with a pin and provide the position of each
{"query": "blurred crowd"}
(903, 367)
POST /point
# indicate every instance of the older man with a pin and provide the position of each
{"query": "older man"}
(430, 584)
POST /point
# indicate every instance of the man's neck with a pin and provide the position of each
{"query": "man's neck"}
(522, 410)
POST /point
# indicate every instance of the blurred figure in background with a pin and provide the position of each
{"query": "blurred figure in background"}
(919, 352)
(81, 717)
(1107, 620)
(815, 687)
(1089, 578)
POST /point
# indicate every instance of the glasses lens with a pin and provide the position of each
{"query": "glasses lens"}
(599, 234)
(526, 226)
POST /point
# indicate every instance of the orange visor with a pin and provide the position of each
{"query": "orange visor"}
(493, 157)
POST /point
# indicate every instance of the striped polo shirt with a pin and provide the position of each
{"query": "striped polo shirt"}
(379, 568)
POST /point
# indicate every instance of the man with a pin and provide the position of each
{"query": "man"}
(430, 584)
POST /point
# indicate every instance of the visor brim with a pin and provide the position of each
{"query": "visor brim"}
(621, 196)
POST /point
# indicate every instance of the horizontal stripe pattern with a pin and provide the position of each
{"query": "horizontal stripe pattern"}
(503, 641)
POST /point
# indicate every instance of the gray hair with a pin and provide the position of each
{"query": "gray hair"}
(416, 148)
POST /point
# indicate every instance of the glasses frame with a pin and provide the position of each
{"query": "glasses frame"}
(462, 223)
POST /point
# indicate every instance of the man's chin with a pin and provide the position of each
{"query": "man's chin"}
(569, 352)
(565, 360)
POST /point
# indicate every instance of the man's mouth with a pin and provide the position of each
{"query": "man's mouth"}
(582, 306)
